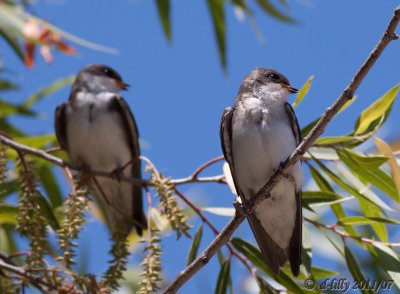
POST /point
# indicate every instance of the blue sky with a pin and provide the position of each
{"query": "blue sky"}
(179, 89)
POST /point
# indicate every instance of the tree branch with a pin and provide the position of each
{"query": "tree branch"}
(333, 228)
(318, 129)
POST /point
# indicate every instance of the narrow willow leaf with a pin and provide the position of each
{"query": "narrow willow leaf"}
(194, 248)
(373, 200)
(7, 85)
(57, 85)
(306, 250)
(267, 6)
(8, 214)
(354, 268)
(8, 109)
(336, 141)
(49, 182)
(305, 130)
(369, 171)
(366, 161)
(11, 38)
(322, 153)
(265, 288)
(41, 141)
(303, 91)
(323, 184)
(312, 197)
(389, 261)
(164, 12)
(223, 277)
(347, 104)
(394, 167)
(321, 273)
(223, 211)
(375, 115)
(372, 211)
(254, 255)
(361, 220)
(217, 11)
(48, 212)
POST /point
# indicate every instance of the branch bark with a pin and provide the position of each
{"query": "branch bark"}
(330, 112)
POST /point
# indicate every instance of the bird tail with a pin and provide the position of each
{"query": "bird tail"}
(139, 217)
(273, 254)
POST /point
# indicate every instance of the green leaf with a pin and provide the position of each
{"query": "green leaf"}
(267, 6)
(223, 211)
(217, 12)
(164, 12)
(354, 268)
(370, 198)
(8, 109)
(8, 188)
(375, 115)
(54, 87)
(321, 273)
(347, 104)
(11, 38)
(389, 261)
(372, 211)
(49, 182)
(322, 153)
(365, 161)
(48, 212)
(254, 255)
(367, 168)
(7, 85)
(323, 184)
(335, 142)
(194, 248)
(361, 220)
(305, 130)
(41, 141)
(223, 277)
(311, 197)
(303, 92)
(8, 214)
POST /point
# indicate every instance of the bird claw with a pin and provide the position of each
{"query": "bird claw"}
(86, 173)
(118, 173)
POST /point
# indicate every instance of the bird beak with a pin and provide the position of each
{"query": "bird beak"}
(290, 88)
(124, 86)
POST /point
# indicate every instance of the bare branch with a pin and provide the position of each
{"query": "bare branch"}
(264, 192)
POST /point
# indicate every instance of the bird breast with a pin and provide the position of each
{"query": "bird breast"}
(95, 133)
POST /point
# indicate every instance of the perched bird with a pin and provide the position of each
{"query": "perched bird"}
(257, 134)
(97, 129)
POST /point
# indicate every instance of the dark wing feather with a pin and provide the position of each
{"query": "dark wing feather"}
(296, 240)
(132, 136)
(225, 134)
(60, 126)
(274, 256)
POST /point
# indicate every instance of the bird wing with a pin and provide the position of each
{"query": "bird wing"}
(132, 136)
(60, 126)
(226, 139)
(296, 239)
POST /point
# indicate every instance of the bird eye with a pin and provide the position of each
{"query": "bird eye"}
(108, 72)
(273, 77)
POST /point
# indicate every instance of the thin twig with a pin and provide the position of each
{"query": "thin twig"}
(205, 165)
(214, 229)
(264, 192)
(343, 234)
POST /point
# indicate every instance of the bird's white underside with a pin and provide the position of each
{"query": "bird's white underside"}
(258, 148)
(100, 143)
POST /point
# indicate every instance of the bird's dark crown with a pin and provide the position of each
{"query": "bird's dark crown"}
(101, 70)
(264, 76)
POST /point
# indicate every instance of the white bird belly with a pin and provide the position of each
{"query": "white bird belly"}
(259, 144)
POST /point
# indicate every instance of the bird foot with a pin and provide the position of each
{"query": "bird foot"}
(118, 173)
(86, 173)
